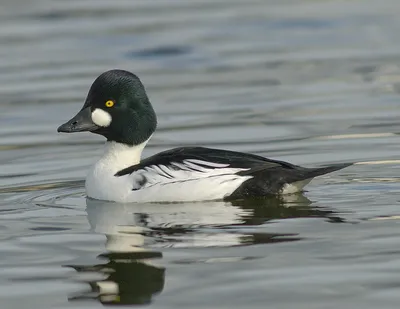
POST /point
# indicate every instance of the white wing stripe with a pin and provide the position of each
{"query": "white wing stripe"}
(166, 171)
(195, 166)
(159, 170)
(162, 174)
(206, 163)
(181, 166)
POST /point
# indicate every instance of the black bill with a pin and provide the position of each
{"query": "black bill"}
(80, 123)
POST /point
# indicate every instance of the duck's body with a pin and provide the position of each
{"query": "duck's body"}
(118, 108)
(192, 174)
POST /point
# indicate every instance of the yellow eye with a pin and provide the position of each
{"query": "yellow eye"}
(110, 103)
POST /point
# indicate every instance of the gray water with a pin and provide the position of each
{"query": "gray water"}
(310, 82)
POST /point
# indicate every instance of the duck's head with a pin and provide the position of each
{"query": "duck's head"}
(116, 107)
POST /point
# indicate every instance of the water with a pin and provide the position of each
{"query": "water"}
(311, 82)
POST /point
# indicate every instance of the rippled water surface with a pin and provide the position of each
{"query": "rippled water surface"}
(311, 82)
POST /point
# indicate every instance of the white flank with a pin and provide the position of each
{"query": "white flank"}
(101, 118)
(190, 183)
(191, 180)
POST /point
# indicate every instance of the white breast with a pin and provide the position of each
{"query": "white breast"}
(101, 183)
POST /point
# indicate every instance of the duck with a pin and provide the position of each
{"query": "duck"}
(118, 108)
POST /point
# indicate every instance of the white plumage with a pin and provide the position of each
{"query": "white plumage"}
(101, 118)
(190, 180)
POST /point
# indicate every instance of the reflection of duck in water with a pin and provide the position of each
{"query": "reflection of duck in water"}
(131, 274)
(284, 207)
(130, 279)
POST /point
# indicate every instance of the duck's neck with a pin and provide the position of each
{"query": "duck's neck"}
(118, 156)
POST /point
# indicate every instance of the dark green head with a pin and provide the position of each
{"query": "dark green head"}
(116, 107)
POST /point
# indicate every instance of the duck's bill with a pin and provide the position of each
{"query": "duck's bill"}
(80, 123)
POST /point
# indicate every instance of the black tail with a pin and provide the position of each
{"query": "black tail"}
(267, 181)
(314, 172)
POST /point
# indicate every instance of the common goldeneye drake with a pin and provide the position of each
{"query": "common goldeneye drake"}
(118, 108)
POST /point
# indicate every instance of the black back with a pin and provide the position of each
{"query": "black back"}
(232, 158)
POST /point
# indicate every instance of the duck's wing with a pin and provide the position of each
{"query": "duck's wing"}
(255, 175)
(192, 158)
(208, 157)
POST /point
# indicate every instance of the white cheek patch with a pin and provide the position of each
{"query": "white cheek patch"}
(101, 118)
